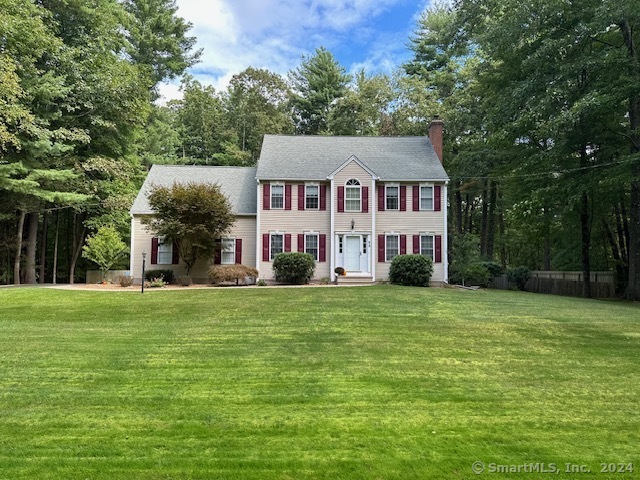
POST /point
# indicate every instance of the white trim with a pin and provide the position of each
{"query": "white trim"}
(390, 234)
(355, 159)
(373, 251)
(311, 184)
(222, 239)
(359, 186)
(433, 244)
(444, 244)
(133, 252)
(284, 195)
(332, 207)
(392, 185)
(304, 243)
(258, 235)
(276, 232)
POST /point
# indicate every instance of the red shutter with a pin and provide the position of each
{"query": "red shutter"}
(217, 252)
(301, 242)
(265, 247)
(323, 197)
(154, 250)
(437, 204)
(403, 244)
(416, 243)
(381, 198)
(322, 251)
(403, 198)
(340, 199)
(416, 198)
(300, 197)
(239, 251)
(266, 196)
(175, 253)
(381, 248)
(438, 249)
(365, 199)
(287, 242)
(287, 197)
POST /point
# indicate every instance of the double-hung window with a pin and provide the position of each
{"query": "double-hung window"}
(426, 197)
(352, 197)
(392, 246)
(426, 246)
(311, 244)
(276, 244)
(311, 197)
(165, 251)
(228, 251)
(392, 197)
(277, 196)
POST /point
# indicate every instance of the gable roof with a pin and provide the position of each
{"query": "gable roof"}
(237, 183)
(301, 157)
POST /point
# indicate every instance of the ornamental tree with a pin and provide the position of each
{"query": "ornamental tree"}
(104, 247)
(193, 215)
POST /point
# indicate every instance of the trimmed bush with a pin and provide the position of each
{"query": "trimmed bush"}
(294, 268)
(230, 273)
(167, 275)
(494, 268)
(519, 276)
(413, 270)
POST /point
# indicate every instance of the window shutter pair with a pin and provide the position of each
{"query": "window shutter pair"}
(217, 255)
(382, 200)
(266, 197)
(265, 246)
(364, 199)
(437, 247)
(175, 255)
(322, 200)
(322, 246)
(437, 200)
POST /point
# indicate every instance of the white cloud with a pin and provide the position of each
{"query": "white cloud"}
(274, 34)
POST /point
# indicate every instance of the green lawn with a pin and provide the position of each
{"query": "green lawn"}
(339, 383)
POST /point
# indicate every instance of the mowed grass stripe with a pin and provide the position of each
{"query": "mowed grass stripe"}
(375, 382)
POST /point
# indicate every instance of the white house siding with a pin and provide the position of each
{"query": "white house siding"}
(295, 222)
(410, 223)
(362, 221)
(244, 228)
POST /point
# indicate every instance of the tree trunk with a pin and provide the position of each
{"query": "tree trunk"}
(76, 253)
(586, 246)
(622, 240)
(615, 252)
(633, 287)
(547, 239)
(491, 225)
(458, 208)
(43, 246)
(467, 218)
(16, 262)
(484, 219)
(32, 243)
(55, 249)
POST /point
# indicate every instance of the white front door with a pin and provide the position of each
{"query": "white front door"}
(352, 253)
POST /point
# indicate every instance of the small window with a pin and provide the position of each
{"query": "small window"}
(277, 244)
(426, 246)
(165, 251)
(364, 244)
(426, 197)
(311, 244)
(392, 247)
(228, 256)
(392, 197)
(352, 196)
(339, 243)
(311, 200)
(277, 196)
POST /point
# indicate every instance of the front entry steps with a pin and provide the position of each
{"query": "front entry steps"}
(355, 278)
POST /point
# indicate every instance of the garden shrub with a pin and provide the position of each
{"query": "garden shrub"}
(124, 280)
(166, 274)
(519, 276)
(494, 268)
(231, 273)
(156, 282)
(294, 267)
(185, 280)
(413, 270)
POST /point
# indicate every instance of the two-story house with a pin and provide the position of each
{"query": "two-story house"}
(351, 202)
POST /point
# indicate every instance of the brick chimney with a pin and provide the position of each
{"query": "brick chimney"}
(435, 135)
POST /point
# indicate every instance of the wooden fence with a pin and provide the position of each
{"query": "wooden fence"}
(563, 283)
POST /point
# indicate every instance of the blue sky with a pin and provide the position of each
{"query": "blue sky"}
(275, 34)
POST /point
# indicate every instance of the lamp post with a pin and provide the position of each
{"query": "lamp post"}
(144, 257)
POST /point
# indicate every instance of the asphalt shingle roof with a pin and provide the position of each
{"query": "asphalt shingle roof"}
(237, 183)
(299, 157)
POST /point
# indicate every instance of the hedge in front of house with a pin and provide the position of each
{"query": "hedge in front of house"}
(294, 267)
(166, 274)
(412, 270)
(231, 273)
